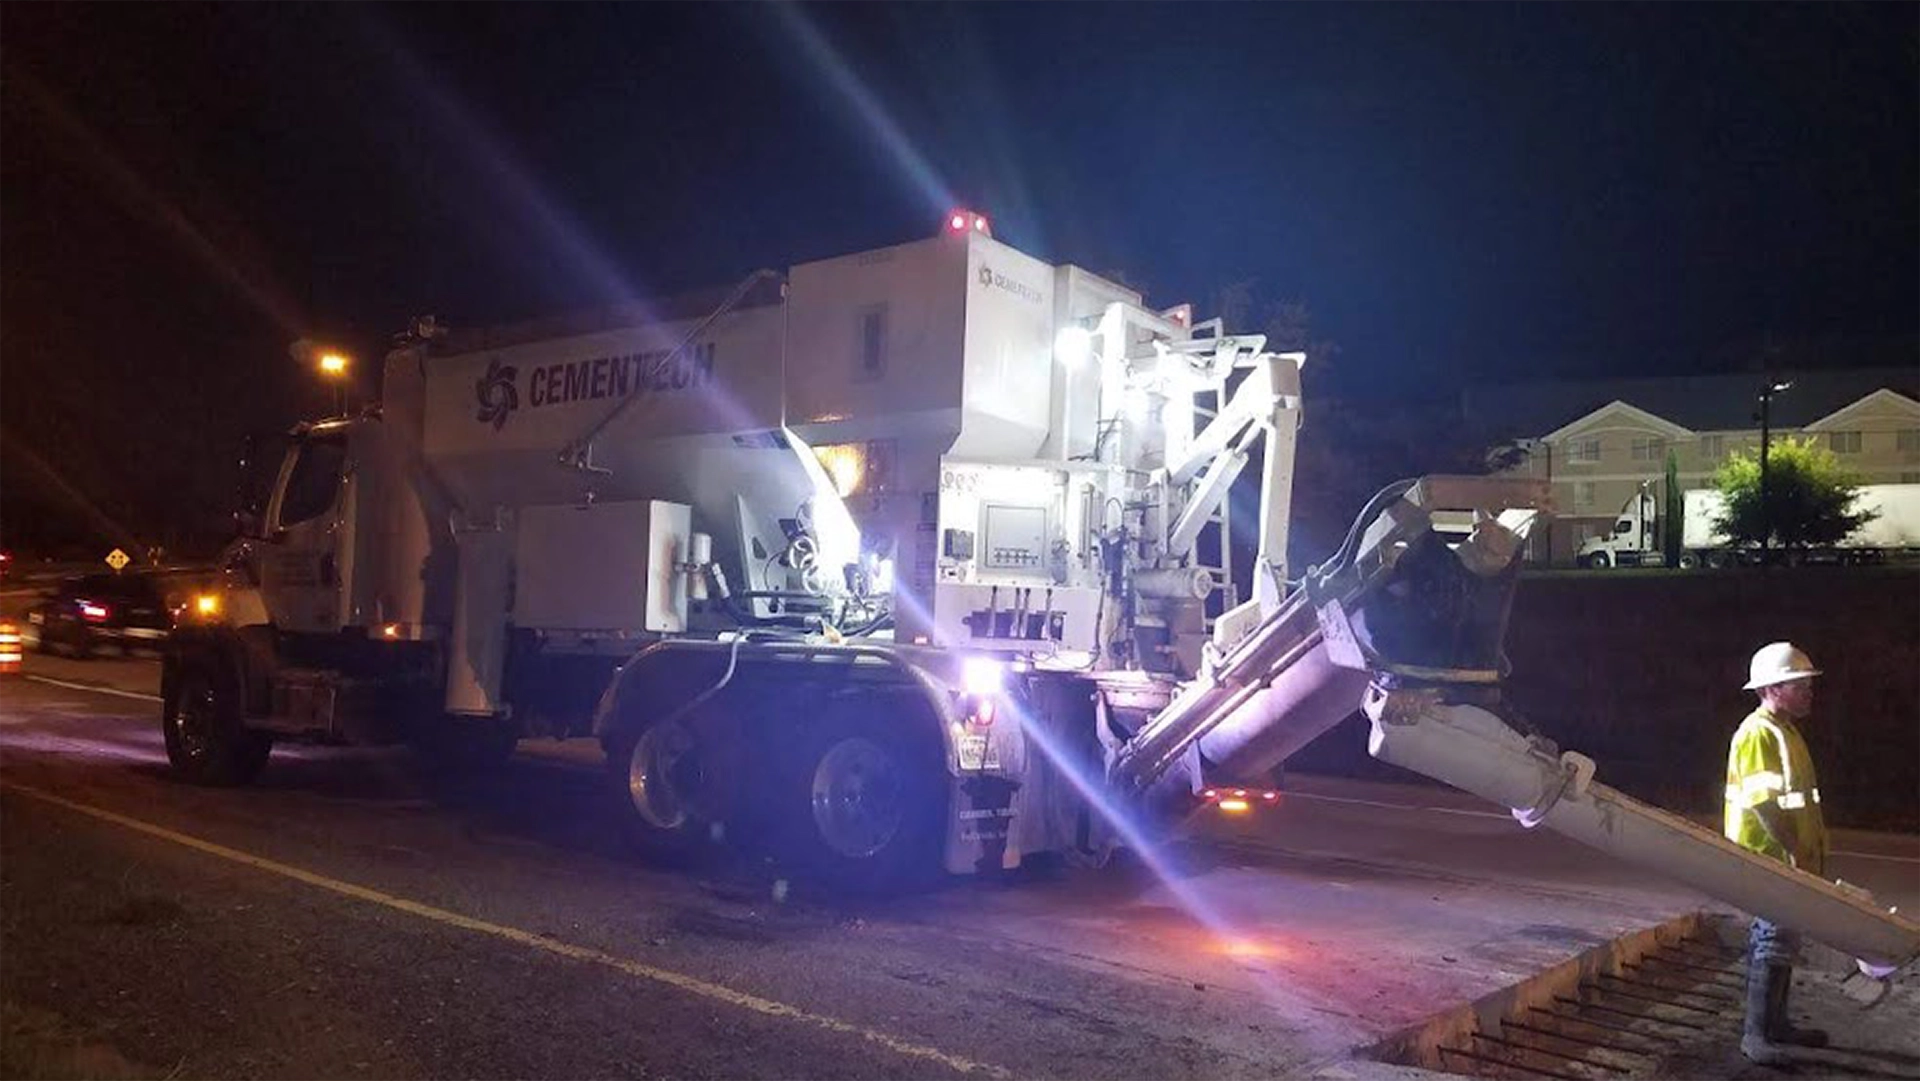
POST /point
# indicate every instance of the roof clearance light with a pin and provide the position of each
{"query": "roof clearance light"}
(966, 221)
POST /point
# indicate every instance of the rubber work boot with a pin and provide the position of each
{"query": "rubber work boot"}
(1756, 1037)
(1780, 988)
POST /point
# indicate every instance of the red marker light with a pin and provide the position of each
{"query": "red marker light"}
(1270, 796)
(983, 713)
(92, 612)
(962, 220)
(1209, 794)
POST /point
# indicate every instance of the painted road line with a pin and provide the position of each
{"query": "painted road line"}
(677, 980)
(95, 688)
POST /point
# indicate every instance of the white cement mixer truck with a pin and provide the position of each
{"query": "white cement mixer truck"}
(906, 560)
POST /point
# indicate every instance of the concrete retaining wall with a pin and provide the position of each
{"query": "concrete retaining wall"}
(1642, 671)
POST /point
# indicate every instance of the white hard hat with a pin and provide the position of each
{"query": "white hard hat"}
(1778, 662)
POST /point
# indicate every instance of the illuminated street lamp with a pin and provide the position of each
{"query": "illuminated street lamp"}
(334, 366)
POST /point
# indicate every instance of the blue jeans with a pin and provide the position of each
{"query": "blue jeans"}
(1772, 944)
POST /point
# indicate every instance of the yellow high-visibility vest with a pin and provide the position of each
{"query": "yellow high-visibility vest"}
(1768, 763)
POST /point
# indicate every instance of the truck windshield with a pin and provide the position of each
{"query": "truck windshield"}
(315, 480)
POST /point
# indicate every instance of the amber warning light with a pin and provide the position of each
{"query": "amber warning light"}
(1239, 801)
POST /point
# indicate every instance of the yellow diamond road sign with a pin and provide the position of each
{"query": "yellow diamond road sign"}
(118, 559)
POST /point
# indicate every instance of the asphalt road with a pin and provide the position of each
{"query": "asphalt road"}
(355, 916)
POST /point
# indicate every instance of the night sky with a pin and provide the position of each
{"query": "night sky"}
(1472, 192)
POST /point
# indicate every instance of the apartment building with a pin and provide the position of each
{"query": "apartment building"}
(1597, 442)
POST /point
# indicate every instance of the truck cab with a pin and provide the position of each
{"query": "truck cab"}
(1632, 541)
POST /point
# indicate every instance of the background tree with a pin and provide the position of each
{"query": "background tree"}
(1810, 497)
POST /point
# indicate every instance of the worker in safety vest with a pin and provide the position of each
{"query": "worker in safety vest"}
(1773, 808)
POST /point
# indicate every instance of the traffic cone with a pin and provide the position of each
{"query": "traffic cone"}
(9, 649)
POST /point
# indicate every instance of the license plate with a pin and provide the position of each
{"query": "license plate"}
(978, 752)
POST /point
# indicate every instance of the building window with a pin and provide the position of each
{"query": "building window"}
(1907, 440)
(1649, 449)
(870, 361)
(1583, 495)
(1713, 448)
(1844, 442)
(1583, 450)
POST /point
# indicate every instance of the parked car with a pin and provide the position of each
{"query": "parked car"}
(125, 611)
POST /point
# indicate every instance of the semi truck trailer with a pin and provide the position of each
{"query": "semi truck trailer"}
(1892, 532)
(903, 562)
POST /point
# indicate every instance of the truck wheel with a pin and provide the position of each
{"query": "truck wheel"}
(864, 810)
(654, 774)
(1598, 561)
(207, 740)
(1689, 560)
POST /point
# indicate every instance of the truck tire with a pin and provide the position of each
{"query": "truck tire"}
(1689, 560)
(207, 738)
(864, 810)
(1598, 561)
(652, 772)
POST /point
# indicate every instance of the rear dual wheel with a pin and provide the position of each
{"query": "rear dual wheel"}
(852, 800)
(656, 774)
(864, 804)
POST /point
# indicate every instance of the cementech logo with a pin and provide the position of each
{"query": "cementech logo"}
(498, 396)
(994, 280)
(626, 375)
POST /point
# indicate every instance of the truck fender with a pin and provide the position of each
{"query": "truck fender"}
(683, 672)
(219, 648)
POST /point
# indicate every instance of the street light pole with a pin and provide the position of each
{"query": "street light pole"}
(1766, 431)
